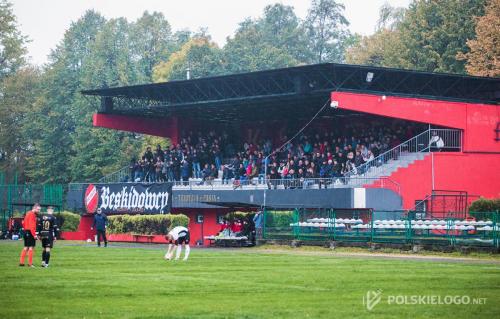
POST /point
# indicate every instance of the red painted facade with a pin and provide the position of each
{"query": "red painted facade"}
(475, 170)
(478, 174)
(197, 230)
(478, 121)
(164, 127)
(209, 227)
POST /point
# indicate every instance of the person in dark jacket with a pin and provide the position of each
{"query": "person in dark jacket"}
(185, 172)
(100, 223)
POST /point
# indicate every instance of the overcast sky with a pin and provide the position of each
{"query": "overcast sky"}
(45, 21)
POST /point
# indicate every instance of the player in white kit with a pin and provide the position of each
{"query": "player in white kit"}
(177, 236)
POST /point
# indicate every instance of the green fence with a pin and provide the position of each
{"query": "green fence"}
(380, 227)
(20, 197)
(4, 218)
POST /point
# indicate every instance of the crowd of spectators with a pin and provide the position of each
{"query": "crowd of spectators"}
(314, 154)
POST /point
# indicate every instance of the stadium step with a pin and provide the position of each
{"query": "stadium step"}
(388, 169)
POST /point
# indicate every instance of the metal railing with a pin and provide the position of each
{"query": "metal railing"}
(428, 141)
(120, 175)
(298, 183)
(260, 184)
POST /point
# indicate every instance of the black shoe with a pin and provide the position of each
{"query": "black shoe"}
(21, 265)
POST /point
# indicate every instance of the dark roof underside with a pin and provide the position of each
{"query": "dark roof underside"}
(290, 91)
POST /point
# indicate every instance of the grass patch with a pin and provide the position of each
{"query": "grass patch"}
(119, 282)
(383, 250)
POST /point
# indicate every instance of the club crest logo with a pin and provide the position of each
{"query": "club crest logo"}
(91, 199)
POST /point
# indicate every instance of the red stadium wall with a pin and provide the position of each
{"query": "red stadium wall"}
(199, 230)
(478, 174)
(475, 170)
(83, 232)
(478, 121)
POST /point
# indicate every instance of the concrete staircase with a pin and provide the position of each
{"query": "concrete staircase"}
(379, 169)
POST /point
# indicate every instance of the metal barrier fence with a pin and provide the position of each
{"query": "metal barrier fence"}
(362, 226)
(260, 183)
(297, 183)
(428, 141)
(121, 175)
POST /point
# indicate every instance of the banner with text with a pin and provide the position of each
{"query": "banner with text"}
(128, 198)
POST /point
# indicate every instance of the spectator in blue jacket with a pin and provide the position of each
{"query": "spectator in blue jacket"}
(258, 220)
(100, 223)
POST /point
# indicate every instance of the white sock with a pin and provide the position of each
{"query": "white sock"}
(168, 255)
(178, 252)
(186, 253)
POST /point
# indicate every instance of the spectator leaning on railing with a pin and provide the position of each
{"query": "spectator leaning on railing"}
(436, 143)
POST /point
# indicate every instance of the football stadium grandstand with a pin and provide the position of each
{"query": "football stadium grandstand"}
(328, 152)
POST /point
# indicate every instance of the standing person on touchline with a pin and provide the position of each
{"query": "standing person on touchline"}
(30, 235)
(100, 223)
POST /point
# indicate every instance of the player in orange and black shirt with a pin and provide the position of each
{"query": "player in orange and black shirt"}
(30, 235)
(48, 229)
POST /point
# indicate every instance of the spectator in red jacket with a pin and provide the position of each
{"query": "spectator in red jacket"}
(237, 227)
(30, 235)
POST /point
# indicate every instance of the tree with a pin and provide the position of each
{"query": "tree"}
(327, 32)
(383, 48)
(390, 17)
(12, 43)
(110, 61)
(281, 28)
(275, 40)
(20, 92)
(434, 31)
(56, 112)
(379, 49)
(199, 54)
(483, 59)
(426, 37)
(151, 42)
(96, 151)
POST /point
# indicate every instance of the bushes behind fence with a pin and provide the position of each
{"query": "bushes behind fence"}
(279, 219)
(145, 224)
(68, 221)
(482, 208)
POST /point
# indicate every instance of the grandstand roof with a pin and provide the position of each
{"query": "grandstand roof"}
(290, 91)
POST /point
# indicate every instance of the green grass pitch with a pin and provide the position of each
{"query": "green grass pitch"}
(84, 281)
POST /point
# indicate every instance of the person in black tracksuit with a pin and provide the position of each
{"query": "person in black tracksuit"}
(100, 223)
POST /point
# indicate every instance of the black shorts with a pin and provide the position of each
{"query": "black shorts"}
(48, 242)
(29, 240)
(182, 240)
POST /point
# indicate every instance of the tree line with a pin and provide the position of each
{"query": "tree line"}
(46, 132)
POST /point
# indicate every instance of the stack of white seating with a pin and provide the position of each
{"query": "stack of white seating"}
(427, 224)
